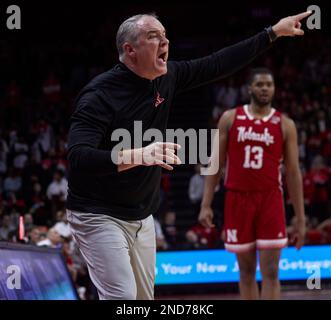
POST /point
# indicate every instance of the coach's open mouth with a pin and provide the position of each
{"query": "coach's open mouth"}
(163, 57)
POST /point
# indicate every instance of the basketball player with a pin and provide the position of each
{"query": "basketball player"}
(110, 204)
(255, 139)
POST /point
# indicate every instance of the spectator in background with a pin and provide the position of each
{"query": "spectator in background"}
(13, 182)
(314, 142)
(45, 138)
(34, 236)
(302, 139)
(50, 161)
(308, 191)
(320, 177)
(52, 89)
(313, 235)
(4, 150)
(321, 118)
(33, 172)
(28, 222)
(325, 228)
(58, 187)
(53, 239)
(37, 204)
(57, 192)
(327, 148)
(61, 154)
(200, 237)
(13, 236)
(15, 211)
(194, 242)
(169, 229)
(227, 94)
(20, 150)
(161, 243)
(6, 227)
(195, 190)
(62, 226)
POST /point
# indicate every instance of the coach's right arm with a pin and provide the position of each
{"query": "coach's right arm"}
(187, 75)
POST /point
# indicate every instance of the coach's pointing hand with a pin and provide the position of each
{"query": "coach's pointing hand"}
(290, 26)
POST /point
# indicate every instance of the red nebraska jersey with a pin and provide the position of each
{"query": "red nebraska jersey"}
(254, 152)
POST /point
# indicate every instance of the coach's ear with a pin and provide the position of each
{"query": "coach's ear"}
(129, 50)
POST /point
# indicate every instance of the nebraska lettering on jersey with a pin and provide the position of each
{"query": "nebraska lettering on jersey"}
(254, 151)
(248, 134)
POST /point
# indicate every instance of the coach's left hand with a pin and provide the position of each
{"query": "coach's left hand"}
(290, 26)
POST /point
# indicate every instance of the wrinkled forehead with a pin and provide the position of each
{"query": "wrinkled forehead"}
(147, 24)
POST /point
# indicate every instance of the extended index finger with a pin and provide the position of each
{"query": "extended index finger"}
(302, 15)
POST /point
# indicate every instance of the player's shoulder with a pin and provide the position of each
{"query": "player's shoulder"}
(288, 126)
(228, 117)
(286, 120)
(229, 113)
(233, 112)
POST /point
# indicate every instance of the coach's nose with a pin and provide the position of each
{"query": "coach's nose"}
(164, 41)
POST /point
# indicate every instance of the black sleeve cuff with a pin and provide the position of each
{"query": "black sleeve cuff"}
(272, 35)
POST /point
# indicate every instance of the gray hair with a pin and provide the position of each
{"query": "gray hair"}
(128, 31)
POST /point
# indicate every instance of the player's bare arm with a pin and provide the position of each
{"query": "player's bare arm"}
(211, 181)
(294, 178)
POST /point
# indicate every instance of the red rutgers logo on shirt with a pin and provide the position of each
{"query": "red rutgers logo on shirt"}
(158, 99)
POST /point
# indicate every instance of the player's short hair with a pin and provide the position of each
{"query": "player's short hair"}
(257, 71)
(128, 31)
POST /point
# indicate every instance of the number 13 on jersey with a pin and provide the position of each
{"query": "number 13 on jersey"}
(253, 157)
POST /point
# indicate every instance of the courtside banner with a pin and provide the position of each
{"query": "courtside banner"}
(217, 266)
